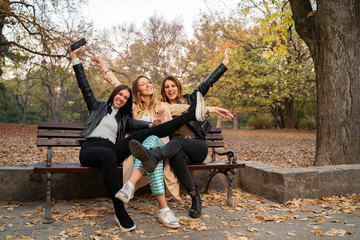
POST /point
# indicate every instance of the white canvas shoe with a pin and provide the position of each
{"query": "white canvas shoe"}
(168, 219)
(125, 193)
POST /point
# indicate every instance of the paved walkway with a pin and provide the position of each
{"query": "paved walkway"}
(251, 217)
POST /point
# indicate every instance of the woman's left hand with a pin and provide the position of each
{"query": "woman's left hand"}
(226, 57)
(160, 118)
(221, 112)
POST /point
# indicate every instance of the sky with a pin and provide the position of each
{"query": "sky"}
(106, 13)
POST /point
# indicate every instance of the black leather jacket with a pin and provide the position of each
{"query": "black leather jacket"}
(201, 128)
(98, 109)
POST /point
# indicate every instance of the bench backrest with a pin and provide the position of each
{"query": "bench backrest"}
(59, 134)
(68, 134)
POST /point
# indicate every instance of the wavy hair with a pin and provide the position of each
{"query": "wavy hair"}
(154, 102)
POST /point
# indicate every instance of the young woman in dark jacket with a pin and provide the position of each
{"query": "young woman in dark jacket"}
(106, 146)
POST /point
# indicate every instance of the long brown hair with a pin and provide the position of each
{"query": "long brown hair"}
(179, 98)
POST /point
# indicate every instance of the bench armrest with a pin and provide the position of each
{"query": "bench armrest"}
(231, 155)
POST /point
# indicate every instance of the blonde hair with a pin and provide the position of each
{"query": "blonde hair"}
(179, 98)
(139, 105)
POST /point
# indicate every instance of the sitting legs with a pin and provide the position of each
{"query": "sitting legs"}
(106, 159)
(180, 151)
(156, 179)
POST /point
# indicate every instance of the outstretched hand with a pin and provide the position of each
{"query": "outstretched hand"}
(98, 62)
(222, 112)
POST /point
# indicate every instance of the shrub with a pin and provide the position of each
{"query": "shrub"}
(307, 124)
(260, 122)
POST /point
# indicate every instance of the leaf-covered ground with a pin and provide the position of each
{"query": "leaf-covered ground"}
(250, 217)
(286, 148)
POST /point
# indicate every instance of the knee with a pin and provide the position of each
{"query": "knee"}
(109, 157)
(153, 141)
(179, 158)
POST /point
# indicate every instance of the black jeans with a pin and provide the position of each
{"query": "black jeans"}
(182, 151)
(101, 153)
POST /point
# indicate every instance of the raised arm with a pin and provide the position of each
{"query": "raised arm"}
(109, 76)
(205, 85)
(83, 83)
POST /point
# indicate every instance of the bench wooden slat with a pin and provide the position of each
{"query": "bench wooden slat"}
(76, 167)
(58, 133)
(214, 136)
(215, 130)
(215, 165)
(66, 168)
(54, 142)
(69, 126)
(215, 144)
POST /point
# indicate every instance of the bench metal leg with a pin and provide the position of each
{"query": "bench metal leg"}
(48, 219)
(230, 180)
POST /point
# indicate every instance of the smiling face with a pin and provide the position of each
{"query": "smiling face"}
(171, 91)
(145, 87)
(121, 98)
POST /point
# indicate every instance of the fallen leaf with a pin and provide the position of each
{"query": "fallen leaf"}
(252, 229)
(25, 237)
(335, 232)
(318, 232)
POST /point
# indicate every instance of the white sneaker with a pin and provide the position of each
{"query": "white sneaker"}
(200, 110)
(125, 193)
(168, 219)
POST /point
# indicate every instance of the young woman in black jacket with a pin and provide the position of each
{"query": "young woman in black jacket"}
(106, 146)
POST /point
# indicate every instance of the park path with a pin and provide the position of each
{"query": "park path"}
(251, 217)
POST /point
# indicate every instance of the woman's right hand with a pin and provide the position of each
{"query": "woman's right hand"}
(74, 54)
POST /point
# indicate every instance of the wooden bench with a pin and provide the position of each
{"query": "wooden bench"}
(68, 135)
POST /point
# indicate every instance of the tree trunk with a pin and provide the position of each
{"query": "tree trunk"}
(289, 111)
(218, 122)
(332, 34)
(52, 100)
(235, 121)
(2, 23)
(24, 114)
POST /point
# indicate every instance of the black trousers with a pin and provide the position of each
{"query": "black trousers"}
(182, 151)
(101, 153)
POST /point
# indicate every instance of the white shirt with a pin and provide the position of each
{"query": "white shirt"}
(146, 118)
(107, 127)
